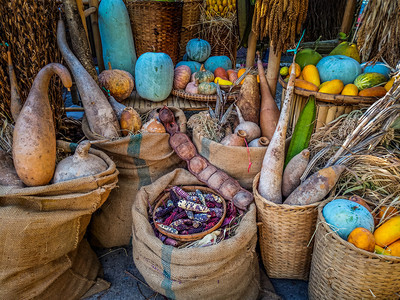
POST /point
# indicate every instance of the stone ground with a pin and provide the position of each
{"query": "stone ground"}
(128, 283)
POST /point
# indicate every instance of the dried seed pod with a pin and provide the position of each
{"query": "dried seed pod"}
(168, 229)
(188, 205)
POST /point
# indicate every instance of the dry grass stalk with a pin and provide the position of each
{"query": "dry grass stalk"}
(6, 134)
(29, 28)
(379, 34)
(281, 20)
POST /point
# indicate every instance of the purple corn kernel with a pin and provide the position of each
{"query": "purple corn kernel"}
(170, 242)
(201, 217)
(218, 212)
(180, 192)
(189, 214)
(210, 204)
(180, 215)
(182, 227)
(163, 211)
(213, 220)
(194, 199)
(201, 197)
(174, 197)
(170, 219)
(196, 230)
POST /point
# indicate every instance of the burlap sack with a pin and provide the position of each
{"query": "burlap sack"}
(228, 270)
(233, 160)
(140, 159)
(41, 229)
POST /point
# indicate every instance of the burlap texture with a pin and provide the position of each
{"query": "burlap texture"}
(41, 253)
(228, 270)
(233, 160)
(141, 159)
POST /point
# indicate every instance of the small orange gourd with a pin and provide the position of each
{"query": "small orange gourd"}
(310, 73)
(394, 248)
(350, 90)
(305, 85)
(377, 91)
(362, 238)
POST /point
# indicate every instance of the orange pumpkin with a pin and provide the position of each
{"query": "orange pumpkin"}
(362, 238)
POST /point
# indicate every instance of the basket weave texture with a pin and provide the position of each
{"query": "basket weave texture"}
(156, 26)
(285, 236)
(340, 270)
(200, 97)
(190, 24)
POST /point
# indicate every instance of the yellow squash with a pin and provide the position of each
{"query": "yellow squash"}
(332, 87)
(222, 81)
(380, 250)
(388, 232)
(310, 73)
(389, 84)
(350, 90)
(394, 248)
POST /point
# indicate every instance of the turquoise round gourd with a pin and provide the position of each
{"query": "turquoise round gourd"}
(338, 67)
(193, 65)
(154, 76)
(207, 88)
(116, 36)
(198, 50)
(343, 216)
(378, 67)
(214, 62)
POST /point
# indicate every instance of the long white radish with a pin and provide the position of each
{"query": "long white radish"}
(270, 185)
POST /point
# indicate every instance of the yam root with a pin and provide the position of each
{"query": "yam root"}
(249, 99)
(8, 175)
(200, 167)
(34, 138)
(98, 110)
(270, 186)
(293, 172)
(315, 187)
(81, 164)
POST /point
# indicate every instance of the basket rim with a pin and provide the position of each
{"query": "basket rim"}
(188, 237)
(202, 98)
(322, 222)
(331, 98)
(281, 206)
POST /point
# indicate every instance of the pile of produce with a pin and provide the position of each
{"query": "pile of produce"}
(354, 220)
(201, 73)
(221, 8)
(193, 216)
(340, 73)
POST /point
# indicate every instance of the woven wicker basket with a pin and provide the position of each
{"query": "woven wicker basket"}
(329, 106)
(190, 23)
(340, 270)
(285, 236)
(156, 26)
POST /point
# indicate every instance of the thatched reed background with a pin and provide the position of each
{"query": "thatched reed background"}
(379, 34)
(324, 18)
(29, 27)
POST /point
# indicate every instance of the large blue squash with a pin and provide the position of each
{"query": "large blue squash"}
(378, 67)
(198, 50)
(214, 62)
(154, 76)
(116, 36)
(193, 65)
(338, 67)
(344, 216)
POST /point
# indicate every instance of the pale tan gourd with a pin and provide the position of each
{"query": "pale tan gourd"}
(34, 138)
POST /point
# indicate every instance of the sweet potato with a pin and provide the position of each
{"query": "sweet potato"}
(249, 99)
(315, 187)
(34, 138)
(293, 172)
(8, 175)
(81, 164)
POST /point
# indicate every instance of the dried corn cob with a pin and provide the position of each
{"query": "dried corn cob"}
(188, 205)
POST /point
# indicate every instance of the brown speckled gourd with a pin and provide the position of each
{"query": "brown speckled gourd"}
(81, 164)
(34, 138)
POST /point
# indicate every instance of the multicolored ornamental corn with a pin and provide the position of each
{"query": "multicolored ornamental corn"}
(168, 229)
(181, 193)
(188, 205)
(201, 217)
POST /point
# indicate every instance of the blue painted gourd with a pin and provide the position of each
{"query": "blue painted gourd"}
(378, 67)
(338, 67)
(193, 65)
(214, 62)
(198, 50)
(344, 216)
(154, 76)
(116, 36)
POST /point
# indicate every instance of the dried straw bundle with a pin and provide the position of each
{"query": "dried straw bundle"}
(324, 18)
(379, 34)
(29, 28)
(281, 20)
(6, 134)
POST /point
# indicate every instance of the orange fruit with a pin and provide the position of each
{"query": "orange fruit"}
(297, 69)
(240, 73)
(362, 238)
(388, 212)
(394, 248)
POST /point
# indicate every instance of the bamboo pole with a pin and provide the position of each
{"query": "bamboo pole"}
(274, 61)
(94, 19)
(348, 16)
(251, 50)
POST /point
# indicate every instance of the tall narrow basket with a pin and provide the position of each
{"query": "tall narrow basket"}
(190, 23)
(156, 26)
(339, 270)
(285, 236)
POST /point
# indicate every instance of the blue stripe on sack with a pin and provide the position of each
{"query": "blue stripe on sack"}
(166, 284)
(141, 166)
(205, 147)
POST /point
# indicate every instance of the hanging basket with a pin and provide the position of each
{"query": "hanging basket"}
(156, 26)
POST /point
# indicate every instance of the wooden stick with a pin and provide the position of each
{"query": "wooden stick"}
(274, 61)
(348, 16)
(251, 50)
(96, 34)
(89, 11)
(82, 15)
